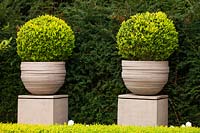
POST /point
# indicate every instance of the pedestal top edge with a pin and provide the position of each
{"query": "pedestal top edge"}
(42, 96)
(132, 96)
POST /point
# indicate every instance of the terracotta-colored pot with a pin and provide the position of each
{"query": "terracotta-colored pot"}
(41, 78)
(145, 77)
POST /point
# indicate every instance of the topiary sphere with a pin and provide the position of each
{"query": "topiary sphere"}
(147, 36)
(45, 38)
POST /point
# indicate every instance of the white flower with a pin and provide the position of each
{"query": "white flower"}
(188, 124)
(70, 122)
(172, 126)
(182, 125)
(87, 125)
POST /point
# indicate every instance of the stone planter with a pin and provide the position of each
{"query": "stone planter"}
(42, 78)
(145, 77)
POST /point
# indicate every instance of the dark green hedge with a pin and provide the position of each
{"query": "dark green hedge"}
(93, 76)
(93, 72)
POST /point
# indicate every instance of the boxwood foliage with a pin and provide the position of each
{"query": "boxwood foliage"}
(45, 38)
(147, 36)
(93, 80)
(78, 128)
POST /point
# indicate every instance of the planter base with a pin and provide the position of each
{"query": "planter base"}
(142, 110)
(51, 109)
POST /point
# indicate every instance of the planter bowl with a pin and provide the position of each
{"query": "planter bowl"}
(42, 78)
(145, 77)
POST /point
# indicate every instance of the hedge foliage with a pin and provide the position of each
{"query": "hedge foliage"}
(5, 45)
(78, 128)
(93, 73)
(94, 70)
(147, 36)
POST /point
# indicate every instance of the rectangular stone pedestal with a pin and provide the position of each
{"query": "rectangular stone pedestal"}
(142, 110)
(50, 109)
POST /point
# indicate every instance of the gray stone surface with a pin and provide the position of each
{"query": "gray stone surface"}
(132, 96)
(50, 109)
(142, 110)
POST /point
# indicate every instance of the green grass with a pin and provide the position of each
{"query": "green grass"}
(78, 128)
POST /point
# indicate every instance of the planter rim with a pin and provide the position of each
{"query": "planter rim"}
(144, 63)
(141, 61)
(42, 61)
